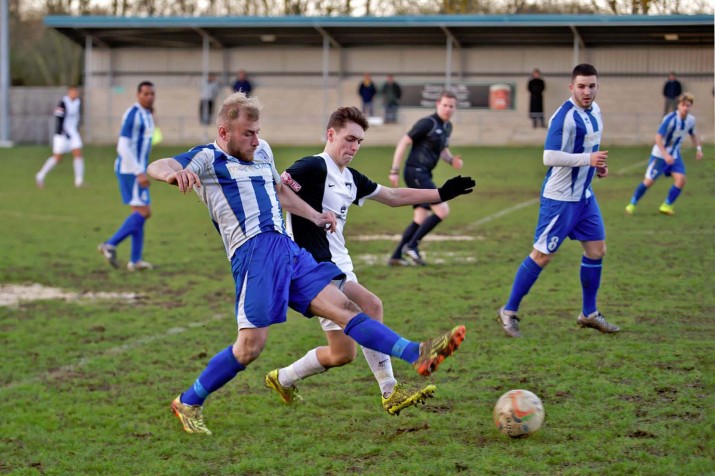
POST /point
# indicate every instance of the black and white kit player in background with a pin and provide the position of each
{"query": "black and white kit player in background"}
(327, 183)
(66, 138)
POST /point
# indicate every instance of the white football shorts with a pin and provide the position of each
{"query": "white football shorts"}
(64, 143)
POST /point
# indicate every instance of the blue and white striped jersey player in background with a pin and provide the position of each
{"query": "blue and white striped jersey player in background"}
(665, 158)
(133, 147)
(235, 177)
(568, 205)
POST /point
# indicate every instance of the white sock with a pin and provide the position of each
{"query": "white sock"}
(304, 367)
(381, 366)
(49, 165)
(78, 171)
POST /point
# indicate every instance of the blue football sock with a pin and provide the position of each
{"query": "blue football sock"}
(590, 282)
(640, 191)
(127, 228)
(138, 241)
(673, 195)
(526, 276)
(220, 370)
(377, 336)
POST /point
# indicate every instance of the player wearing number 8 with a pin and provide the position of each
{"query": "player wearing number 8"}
(568, 205)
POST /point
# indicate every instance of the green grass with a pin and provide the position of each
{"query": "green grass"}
(86, 386)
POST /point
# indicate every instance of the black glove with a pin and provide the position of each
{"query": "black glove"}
(456, 186)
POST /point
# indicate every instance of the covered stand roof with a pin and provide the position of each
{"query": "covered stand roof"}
(429, 30)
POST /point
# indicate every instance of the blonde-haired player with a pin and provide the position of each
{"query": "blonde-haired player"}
(665, 158)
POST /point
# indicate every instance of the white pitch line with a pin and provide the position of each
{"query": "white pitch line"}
(501, 213)
(631, 167)
(109, 352)
(521, 205)
(396, 237)
(35, 216)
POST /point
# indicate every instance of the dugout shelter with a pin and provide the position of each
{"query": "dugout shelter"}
(304, 67)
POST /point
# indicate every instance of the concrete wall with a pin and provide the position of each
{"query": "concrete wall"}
(297, 99)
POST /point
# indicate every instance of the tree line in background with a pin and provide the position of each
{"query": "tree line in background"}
(42, 57)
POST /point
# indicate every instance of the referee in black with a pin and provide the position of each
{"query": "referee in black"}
(429, 138)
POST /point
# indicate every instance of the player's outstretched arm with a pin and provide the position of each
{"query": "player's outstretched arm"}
(397, 197)
(170, 171)
(455, 187)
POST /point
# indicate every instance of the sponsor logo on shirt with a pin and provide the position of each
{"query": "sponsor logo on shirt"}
(288, 180)
(236, 169)
(592, 139)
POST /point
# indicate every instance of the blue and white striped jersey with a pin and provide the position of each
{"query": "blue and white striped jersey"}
(674, 129)
(241, 196)
(573, 130)
(138, 127)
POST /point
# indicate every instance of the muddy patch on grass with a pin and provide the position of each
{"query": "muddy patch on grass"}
(14, 295)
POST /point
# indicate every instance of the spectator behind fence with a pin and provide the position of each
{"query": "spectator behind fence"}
(367, 92)
(672, 89)
(209, 91)
(536, 87)
(391, 94)
(242, 84)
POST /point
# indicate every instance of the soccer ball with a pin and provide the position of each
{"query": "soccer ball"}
(518, 413)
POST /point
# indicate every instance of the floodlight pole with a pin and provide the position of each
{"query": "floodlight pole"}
(448, 66)
(205, 47)
(577, 42)
(4, 76)
(326, 80)
(87, 87)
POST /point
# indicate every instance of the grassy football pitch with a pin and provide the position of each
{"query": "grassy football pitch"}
(86, 381)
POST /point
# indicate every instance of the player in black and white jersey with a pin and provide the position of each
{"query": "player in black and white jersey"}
(66, 138)
(326, 183)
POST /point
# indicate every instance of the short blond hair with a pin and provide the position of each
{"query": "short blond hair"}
(238, 104)
(686, 97)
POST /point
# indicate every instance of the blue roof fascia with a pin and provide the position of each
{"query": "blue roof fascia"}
(66, 21)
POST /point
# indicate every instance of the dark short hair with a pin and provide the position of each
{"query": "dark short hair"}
(447, 94)
(144, 83)
(343, 115)
(583, 69)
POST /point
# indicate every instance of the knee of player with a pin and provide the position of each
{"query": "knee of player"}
(340, 357)
(597, 252)
(441, 210)
(541, 259)
(373, 308)
(247, 350)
